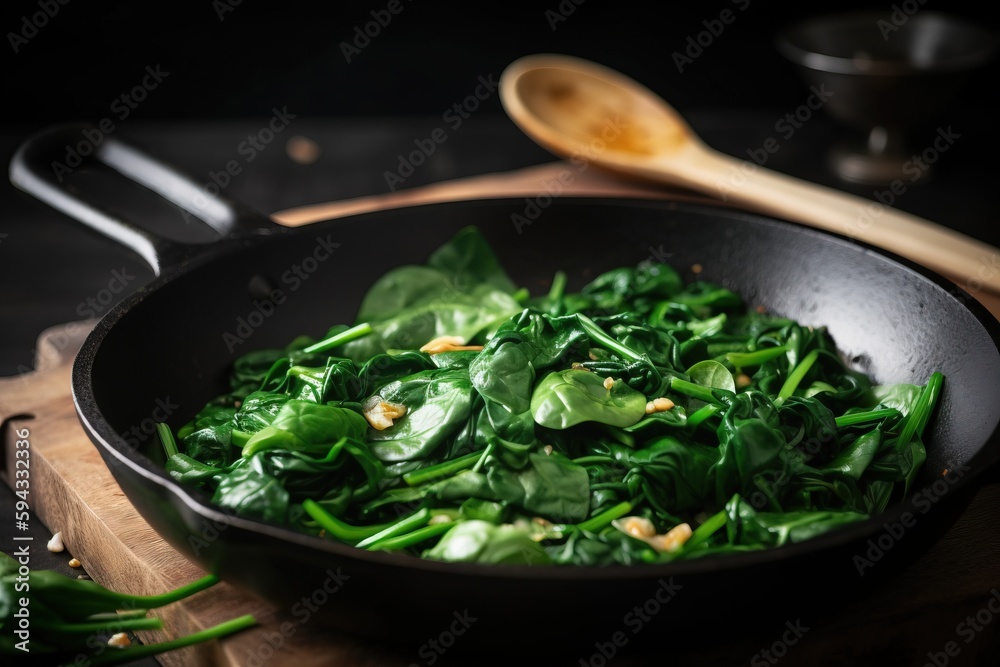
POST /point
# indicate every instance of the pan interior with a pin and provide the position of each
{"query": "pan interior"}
(167, 351)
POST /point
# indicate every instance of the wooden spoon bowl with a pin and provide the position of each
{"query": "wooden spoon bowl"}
(584, 111)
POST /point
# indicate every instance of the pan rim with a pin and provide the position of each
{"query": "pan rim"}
(114, 445)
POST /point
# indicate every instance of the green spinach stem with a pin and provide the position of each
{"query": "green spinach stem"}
(796, 376)
(595, 523)
(482, 459)
(918, 417)
(415, 537)
(337, 528)
(403, 525)
(167, 438)
(146, 650)
(693, 390)
(597, 335)
(355, 332)
(865, 417)
(756, 358)
(708, 528)
(445, 469)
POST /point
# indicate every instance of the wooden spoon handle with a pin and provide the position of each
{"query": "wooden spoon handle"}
(974, 265)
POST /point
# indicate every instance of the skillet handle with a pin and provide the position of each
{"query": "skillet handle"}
(41, 163)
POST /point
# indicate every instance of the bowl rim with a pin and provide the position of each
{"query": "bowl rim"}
(824, 62)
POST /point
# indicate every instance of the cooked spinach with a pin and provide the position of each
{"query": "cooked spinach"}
(635, 420)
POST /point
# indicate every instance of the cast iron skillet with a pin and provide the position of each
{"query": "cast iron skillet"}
(166, 344)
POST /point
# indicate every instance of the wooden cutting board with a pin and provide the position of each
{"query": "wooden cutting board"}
(74, 492)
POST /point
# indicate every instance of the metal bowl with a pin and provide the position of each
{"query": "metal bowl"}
(884, 74)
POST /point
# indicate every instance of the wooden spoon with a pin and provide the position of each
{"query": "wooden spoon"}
(584, 111)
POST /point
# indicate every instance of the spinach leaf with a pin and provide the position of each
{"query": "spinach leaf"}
(552, 487)
(477, 541)
(438, 403)
(565, 398)
(307, 427)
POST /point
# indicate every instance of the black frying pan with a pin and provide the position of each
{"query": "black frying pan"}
(166, 345)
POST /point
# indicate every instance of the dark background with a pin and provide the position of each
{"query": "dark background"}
(261, 54)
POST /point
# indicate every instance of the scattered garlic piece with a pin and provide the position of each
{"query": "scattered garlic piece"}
(55, 545)
(659, 405)
(380, 413)
(635, 526)
(643, 529)
(119, 640)
(547, 449)
(673, 540)
(439, 518)
(663, 404)
(743, 380)
(609, 382)
(447, 344)
(74, 562)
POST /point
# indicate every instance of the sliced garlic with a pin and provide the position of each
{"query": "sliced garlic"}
(380, 413)
(643, 529)
(673, 540)
(635, 526)
(55, 545)
(447, 344)
(659, 405)
(119, 640)
(663, 404)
